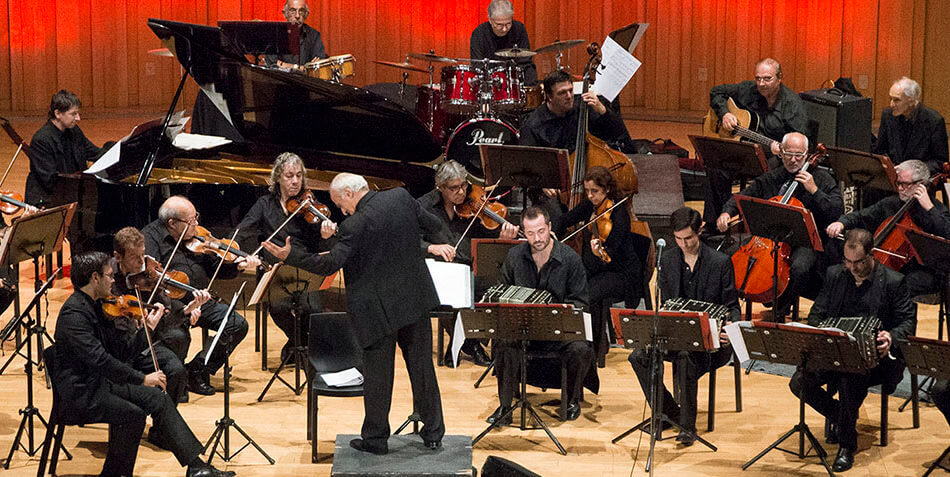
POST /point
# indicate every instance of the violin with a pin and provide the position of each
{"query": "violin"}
(126, 306)
(314, 212)
(174, 284)
(601, 226)
(11, 202)
(491, 213)
(205, 243)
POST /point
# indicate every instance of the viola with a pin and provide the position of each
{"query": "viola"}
(11, 202)
(313, 212)
(126, 306)
(491, 213)
(205, 243)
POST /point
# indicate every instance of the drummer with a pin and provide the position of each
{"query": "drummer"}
(502, 32)
(311, 45)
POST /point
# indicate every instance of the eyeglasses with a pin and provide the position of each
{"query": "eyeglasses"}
(764, 79)
(298, 11)
(500, 25)
(907, 184)
(193, 221)
(454, 188)
(793, 155)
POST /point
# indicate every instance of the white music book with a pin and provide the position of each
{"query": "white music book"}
(453, 282)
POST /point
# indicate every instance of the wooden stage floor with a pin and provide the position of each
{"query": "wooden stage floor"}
(279, 423)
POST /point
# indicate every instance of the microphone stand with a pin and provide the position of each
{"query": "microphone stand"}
(656, 363)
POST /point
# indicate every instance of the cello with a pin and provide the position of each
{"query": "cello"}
(754, 264)
(891, 246)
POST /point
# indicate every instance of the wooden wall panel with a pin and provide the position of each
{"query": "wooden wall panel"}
(98, 47)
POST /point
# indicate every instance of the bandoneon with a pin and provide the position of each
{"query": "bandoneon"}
(516, 294)
(863, 329)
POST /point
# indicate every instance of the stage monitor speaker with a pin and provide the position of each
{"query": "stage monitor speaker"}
(498, 467)
(842, 120)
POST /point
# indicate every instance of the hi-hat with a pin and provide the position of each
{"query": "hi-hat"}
(432, 57)
(515, 53)
(403, 66)
(160, 52)
(558, 46)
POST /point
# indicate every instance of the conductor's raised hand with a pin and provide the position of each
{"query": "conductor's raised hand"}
(280, 252)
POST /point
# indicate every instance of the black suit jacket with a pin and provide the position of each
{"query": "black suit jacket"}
(87, 357)
(51, 152)
(388, 285)
(713, 269)
(927, 142)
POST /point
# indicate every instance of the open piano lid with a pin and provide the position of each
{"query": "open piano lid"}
(287, 111)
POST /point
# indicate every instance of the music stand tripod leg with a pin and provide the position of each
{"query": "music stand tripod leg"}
(937, 463)
(414, 419)
(300, 354)
(491, 365)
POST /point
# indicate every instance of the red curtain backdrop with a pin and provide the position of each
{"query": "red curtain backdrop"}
(97, 48)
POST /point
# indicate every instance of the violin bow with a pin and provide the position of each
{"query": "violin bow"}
(591, 221)
(475, 217)
(168, 263)
(148, 334)
(9, 166)
(223, 257)
(286, 221)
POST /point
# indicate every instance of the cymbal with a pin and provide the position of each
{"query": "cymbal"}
(475, 61)
(432, 57)
(403, 66)
(160, 52)
(515, 53)
(559, 46)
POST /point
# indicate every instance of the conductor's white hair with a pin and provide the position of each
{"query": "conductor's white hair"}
(909, 88)
(345, 180)
(500, 9)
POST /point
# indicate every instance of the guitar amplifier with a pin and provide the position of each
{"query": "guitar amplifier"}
(841, 119)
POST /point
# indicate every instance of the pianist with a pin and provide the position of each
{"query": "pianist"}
(547, 264)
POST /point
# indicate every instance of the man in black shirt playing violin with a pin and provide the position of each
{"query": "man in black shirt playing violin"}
(288, 181)
(452, 190)
(177, 217)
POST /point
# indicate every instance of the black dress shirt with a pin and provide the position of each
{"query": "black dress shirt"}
(199, 268)
(311, 46)
(923, 136)
(711, 280)
(935, 221)
(545, 129)
(265, 216)
(563, 275)
(785, 116)
(484, 43)
(453, 228)
(825, 204)
(53, 151)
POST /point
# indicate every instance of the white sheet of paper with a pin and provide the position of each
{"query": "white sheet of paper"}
(453, 283)
(218, 100)
(616, 68)
(458, 341)
(347, 377)
(191, 142)
(738, 343)
(714, 330)
(106, 160)
(588, 328)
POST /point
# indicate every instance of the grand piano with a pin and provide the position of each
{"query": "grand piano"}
(334, 127)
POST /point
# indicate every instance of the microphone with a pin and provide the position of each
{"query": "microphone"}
(660, 243)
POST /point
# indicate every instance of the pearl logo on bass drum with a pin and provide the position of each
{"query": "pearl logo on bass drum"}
(478, 137)
(464, 142)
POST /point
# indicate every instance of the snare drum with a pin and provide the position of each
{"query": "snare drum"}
(507, 90)
(464, 142)
(533, 97)
(334, 68)
(460, 88)
(429, 110)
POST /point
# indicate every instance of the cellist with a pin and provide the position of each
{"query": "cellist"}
(930, 216)
(817, 191)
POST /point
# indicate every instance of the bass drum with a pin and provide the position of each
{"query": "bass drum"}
(464, 141)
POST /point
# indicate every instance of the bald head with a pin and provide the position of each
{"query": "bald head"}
(178, 214)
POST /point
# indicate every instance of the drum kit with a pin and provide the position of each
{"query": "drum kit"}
(474, 97)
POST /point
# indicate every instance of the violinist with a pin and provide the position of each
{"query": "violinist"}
(288, 181)
(817, 191)
(931, 216)
(171, 337)
(97, 383)
(451, 191)
(177, 216)
(614, 270)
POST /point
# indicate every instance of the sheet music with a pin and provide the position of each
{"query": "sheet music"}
(457, 343)
(588, 328)
(453, 282)
(111, 157)
(714, 331)
(191, 142)
(347, 377)
(736, 339)
(616, 68)
(262, 284)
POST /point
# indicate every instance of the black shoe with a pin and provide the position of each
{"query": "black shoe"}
(183, 398)
(198, 383)
(288, 356)
(573, 411)
(433, 445)
(497, 416)
(844, 461)
(207, 471)
(686, 438)
(831, 433)
(361, 446)
(480, 357)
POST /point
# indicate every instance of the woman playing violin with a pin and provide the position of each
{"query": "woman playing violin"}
(452, 191)
(288, 182)
(614, 270)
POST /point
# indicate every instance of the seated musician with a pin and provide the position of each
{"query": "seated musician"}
(910, 130)
(932, 217)
(779, 109)
(288, 181)
(451, 190)
(543, 263)
(614, 271)
(177, 215)
(817, 191)
(554, 123)
(311, 45)
(858, 287)
(693, 271)
(502, 32)
(97, 384)
(171, 337)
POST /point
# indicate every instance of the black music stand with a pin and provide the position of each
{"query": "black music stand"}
(675, 331)
(931, 358)
(523, 323)
(809, 349)
(488, 255)
(263, 38)
(28, 411)
(933, 252)
(525, 167)
(862, 169)
(743, 160)
(781, 223)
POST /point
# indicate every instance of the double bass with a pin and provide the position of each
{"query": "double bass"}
(754, 264)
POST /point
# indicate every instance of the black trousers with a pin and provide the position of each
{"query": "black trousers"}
(415, 341)
(920, 280)
(606, 289)
(282, 312)
(578, 356)
(124, 407)
(852, 389)
(941, 395)
(174, 336)
(236, 329)
(176, 377)
(688, 367)
(802, 263)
